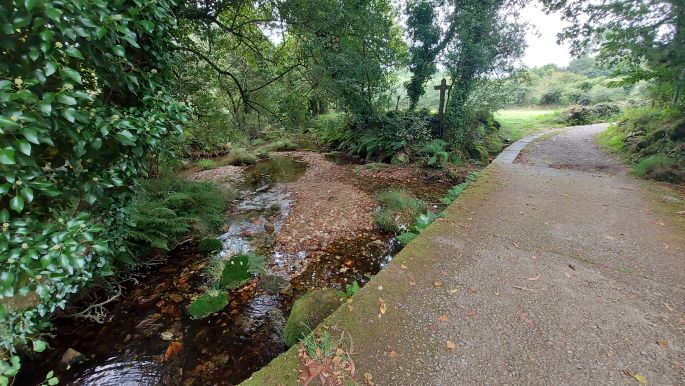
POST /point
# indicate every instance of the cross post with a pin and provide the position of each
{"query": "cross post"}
(442, 88)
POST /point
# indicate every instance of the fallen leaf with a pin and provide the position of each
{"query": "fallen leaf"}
(412, 283)
(403, 266)
(444, 318)
(368, 377)
(471, 313)
(451, 345)
(533, 257)
(534, 278)
(662, 342)
(437, 283)
(392, 354)
(382, 307)
(636, 376)
(380, 288)
(174, 349)
(454, 291)
(473, 290)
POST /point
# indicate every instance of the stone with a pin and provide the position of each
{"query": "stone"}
(167, 335)
(70, 357)
(310, 310)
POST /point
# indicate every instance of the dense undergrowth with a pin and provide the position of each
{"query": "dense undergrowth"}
(652, 141)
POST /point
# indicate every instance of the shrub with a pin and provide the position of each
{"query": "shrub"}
(605, 110)
(165, 209)
(310, 310)
(207, 304)
(206, 164)
(282, 145)
(398, 209)
(77, 135)
(240, 157)
(578, 115)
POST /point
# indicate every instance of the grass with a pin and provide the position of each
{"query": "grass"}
(398, 210)
(206, 164)
(518, 123)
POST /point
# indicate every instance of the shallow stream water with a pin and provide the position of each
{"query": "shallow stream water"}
(149, 338)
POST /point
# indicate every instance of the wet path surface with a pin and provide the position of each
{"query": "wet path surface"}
(558, 270)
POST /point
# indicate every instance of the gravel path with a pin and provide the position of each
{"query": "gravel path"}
(558, 270)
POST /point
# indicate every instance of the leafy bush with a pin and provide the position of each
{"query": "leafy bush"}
(652, 141)
(240, 157)
(578, 115)
(605, 110)
(422, 222)
(435, 154)
(282, 145)
(208, 303)
(84, 102)
(166, 209)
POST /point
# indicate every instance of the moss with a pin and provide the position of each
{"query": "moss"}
(207, 304)
(310, 310)
(236, 272)
(209, 245)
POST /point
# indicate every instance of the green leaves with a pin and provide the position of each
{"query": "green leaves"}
(119, 50)
(7, 156)
(17, 204)
(71, 74)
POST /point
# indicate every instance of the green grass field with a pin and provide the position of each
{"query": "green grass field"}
(517, 123)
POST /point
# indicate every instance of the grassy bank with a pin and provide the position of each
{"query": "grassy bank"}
(518, 123)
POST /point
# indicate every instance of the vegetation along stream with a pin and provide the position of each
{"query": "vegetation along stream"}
(149, 338)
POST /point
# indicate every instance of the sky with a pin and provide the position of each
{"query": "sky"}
(543, 48)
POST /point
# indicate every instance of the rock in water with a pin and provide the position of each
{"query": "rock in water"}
(310, 310)
(70, 357)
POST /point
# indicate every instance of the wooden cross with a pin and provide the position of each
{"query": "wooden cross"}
(442, 87)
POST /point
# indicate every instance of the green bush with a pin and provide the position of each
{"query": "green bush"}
(240, 157)
(578, 115)
(310, 310)
(166, 209)
(397, 212)
(652, 141)
(282, 145)
(605, 110)
(85, 106)
(207, 304)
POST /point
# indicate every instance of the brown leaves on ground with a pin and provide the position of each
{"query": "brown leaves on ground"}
(438, 283)
(451, 345)
(444, 318)
(328, 369)
(393, 354)
(534, 278)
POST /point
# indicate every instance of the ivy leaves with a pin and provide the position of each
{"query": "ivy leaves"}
(80, 113)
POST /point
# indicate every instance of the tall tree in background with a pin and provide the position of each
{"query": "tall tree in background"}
(642, 40)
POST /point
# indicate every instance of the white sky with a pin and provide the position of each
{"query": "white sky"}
(543, 48)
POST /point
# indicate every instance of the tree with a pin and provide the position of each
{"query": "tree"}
(424, 39)
(84, 106)
(641, 40)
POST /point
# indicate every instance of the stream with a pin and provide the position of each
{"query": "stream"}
(149, 339)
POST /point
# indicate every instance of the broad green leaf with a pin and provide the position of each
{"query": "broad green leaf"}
(6, 122)
(27, 193)
(7, 156)
(39, 345)
(45, 108)
(31, 134)
(4, 188)
(74, 52)
(5, 85)
(71, 74)
(17, 204)
(24, 146)
(119, 50)
(52, 13)
(50, 68)
(66, 100)
(69, 114)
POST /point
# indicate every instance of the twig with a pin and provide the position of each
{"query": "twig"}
(524, 288)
